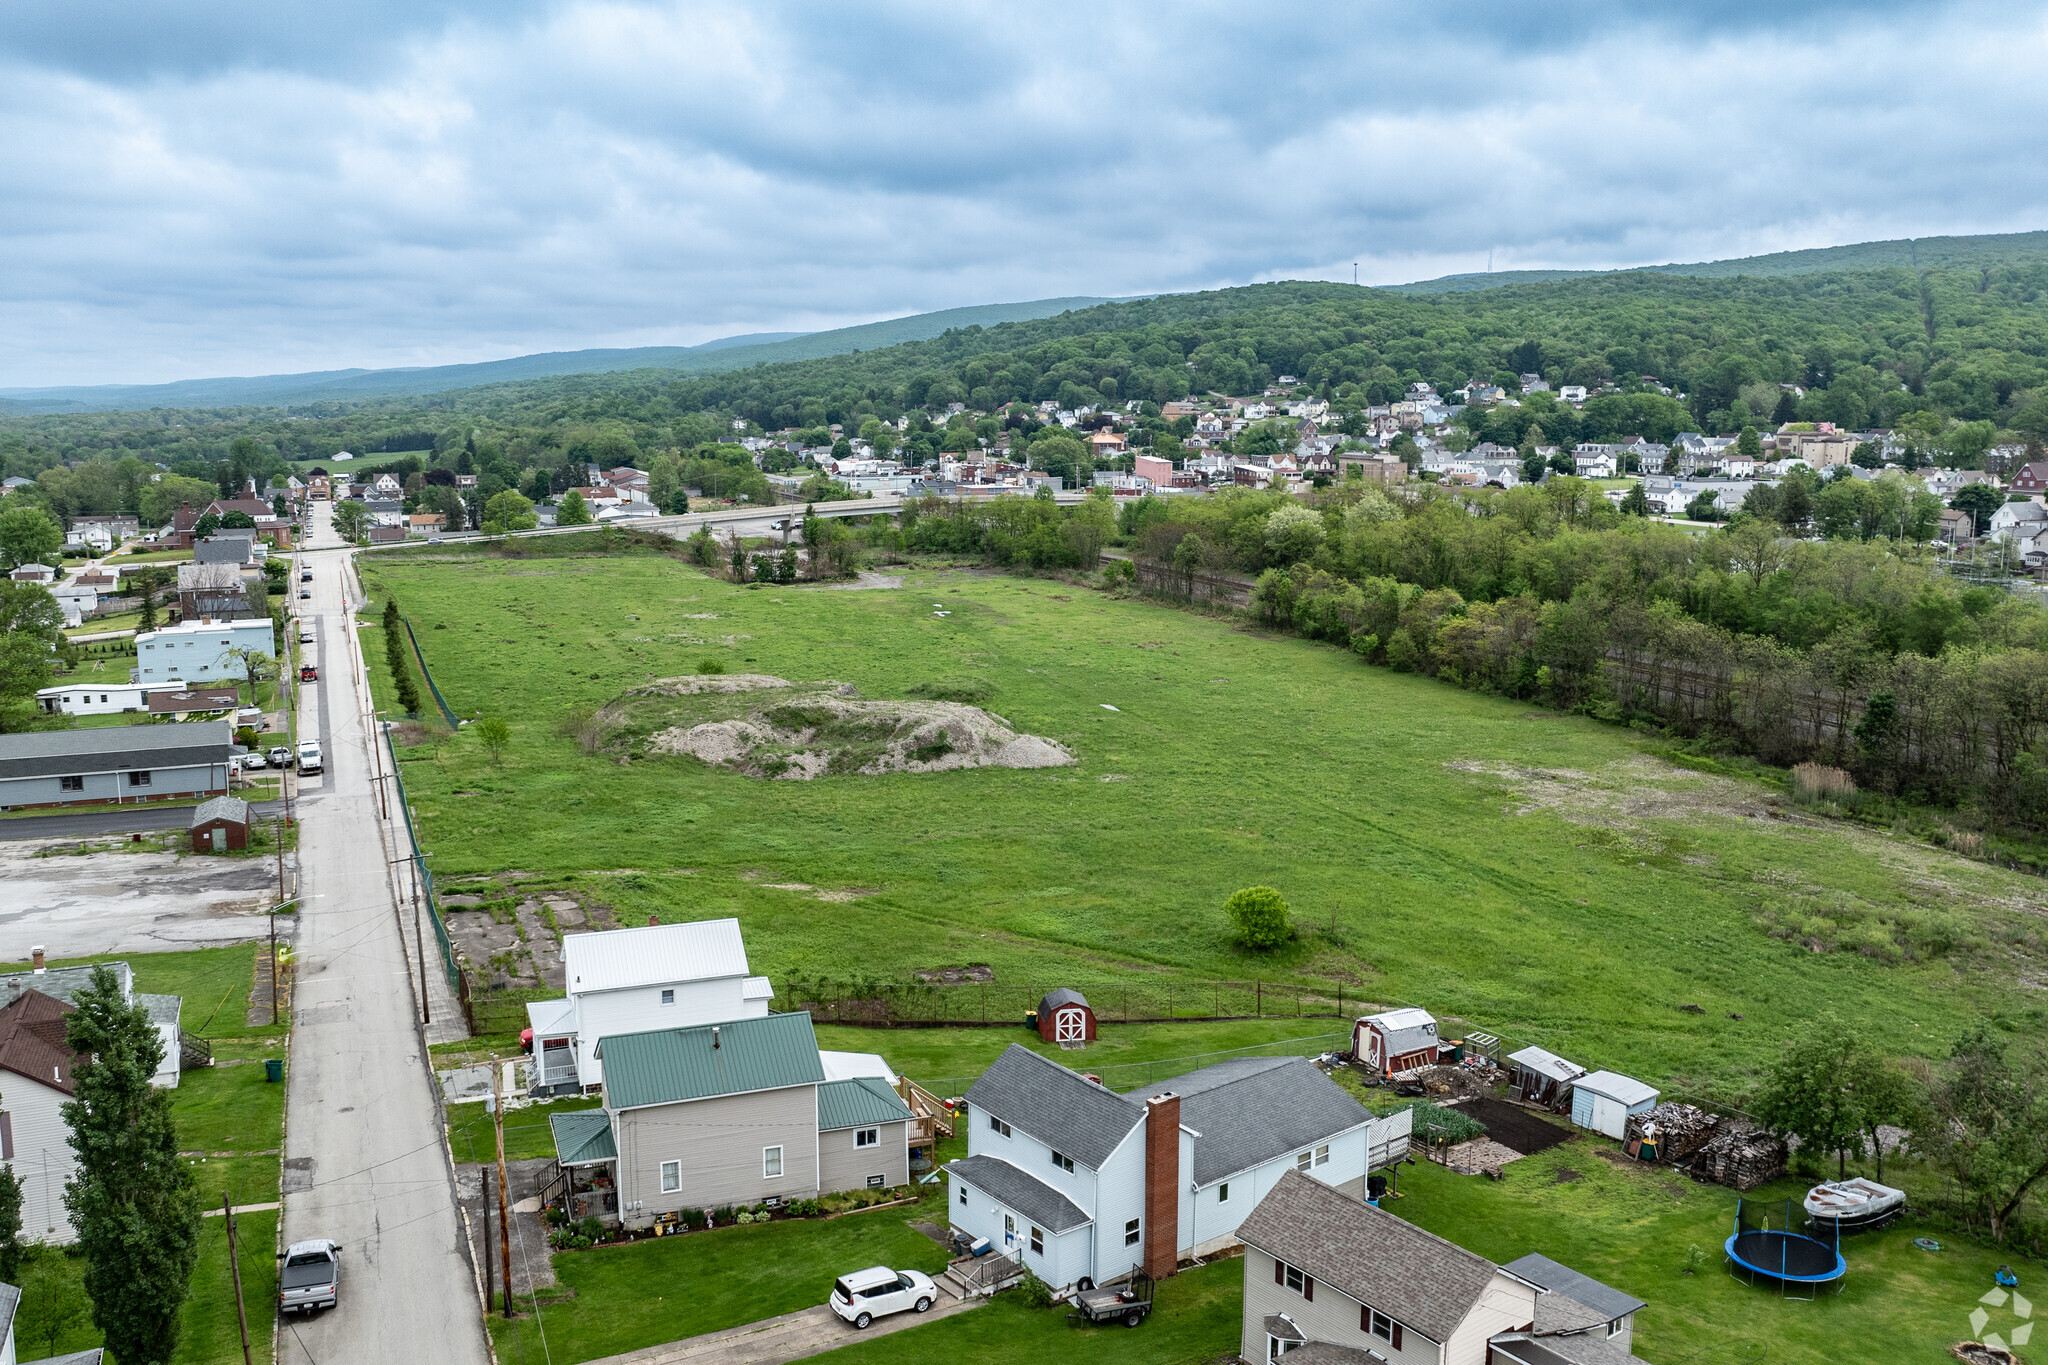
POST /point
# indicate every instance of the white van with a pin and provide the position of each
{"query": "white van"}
(309, 756)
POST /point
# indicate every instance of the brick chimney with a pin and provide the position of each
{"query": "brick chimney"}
(1162, 1185)
(35, 956)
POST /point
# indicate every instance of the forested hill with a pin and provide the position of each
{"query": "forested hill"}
(1871, 347)
(1912, 253)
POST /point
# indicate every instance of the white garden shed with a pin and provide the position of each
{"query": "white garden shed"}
(1604, 1100)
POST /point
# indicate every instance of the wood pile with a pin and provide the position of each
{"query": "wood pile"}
(1679, 1130)
(1741, 1157)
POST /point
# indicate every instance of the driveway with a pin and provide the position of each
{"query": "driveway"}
(79, 905)
(792, 1336)
(365, 1158)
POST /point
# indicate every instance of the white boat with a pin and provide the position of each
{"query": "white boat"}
(1852, 1204)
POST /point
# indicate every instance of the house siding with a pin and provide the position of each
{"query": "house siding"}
(200, 654)
(842, 1166)
(1504, 1306)
(1332, 1316)
(1066, 1258)
(185, 780)
(1120, 1197)
(719, 1143)
(1212, 1222)
(1033, 1157)
(638, 1009)
(43, 1159)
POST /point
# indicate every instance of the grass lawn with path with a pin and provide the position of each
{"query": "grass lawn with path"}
(473, 1137)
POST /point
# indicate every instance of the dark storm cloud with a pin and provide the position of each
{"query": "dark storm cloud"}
(256, 188)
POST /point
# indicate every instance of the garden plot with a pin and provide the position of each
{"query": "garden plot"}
(112, 901)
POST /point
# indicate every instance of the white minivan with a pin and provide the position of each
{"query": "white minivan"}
(309, 756)
(878, 1291)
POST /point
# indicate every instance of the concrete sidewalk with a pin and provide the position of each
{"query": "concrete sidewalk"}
(793, 1336)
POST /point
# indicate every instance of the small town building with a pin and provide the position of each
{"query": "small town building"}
(1064, 1017)
(220, 825)
(201, 651)
(1604, 1100)
(188, 703)
(1397, 1040)
(212, 590)
(115, 764)
(95, 698)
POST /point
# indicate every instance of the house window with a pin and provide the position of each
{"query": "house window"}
(1292, 1277)
(671, 1176)
(866, 1137)
(1323, 1155)
(138, 779)
(1376, 1323)
(1275, 1347)
(963, 1196)
(1223, 1193)
(1065, 1163)
(668, 997)
(998, 1125)
(1037, 1242)
(71, 784)
(1304, 1161)
(771, 1162)
(1614, 1327)
(1131, 1233)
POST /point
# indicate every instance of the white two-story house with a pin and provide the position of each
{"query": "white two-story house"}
(1083, 1185)
(663, 976)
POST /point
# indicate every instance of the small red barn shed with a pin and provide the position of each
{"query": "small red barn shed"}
(1064, 1017)
(220, 825)
(1395, 1041)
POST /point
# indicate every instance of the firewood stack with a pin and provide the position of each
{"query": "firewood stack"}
(1679, 1130)
(1741, 1157)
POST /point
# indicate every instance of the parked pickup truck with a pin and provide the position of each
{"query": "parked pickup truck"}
(310, 1276)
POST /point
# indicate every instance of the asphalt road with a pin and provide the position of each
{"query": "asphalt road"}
(365, 1164)
(113, 820)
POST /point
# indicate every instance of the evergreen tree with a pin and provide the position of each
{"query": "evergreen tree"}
(131, 1202)
(11, 1247)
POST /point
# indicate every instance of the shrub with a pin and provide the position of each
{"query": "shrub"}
(1814, 782)
(1035, 1293)
(745, 1217)
(592, 1228)
(1259, 914)
(1694, 1259)
(708, 666)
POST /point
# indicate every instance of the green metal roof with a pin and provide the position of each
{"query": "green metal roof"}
(667, 1066)
(858, 1103)
(583, 1137)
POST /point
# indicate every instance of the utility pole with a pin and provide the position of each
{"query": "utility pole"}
(280, 860)
(227, 1210)
(504, 1210)
(485, 1224)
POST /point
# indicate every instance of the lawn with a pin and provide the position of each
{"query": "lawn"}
(1543, 876)
(214, 984)
(620, 1298)
(471, 1133)
(1629, 1225)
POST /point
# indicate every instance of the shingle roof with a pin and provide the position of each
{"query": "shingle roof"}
(1063, 996)
(583, 1136)
(1539, 1269)
(1020, 1191)
(1413, 1276)
(1546, 1064)
(32, 1040)
(667, 1066)
(1328, 1353)
(44, 753)
(233, 809)
(62, 983)
(655, 955)
(1252, 1109)
(163, 1009)
(10, 1299)
(858, 1103)
(1074, 1117)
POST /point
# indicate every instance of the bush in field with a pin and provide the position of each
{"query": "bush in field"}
(1259, 914)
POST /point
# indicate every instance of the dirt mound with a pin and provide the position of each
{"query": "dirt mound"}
(807, 730)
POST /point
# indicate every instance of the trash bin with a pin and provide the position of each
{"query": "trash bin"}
(273, 1069)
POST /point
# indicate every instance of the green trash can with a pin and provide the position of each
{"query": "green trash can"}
(273, 1069)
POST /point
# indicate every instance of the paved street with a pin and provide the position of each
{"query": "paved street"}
(364, 1158)
(114, 820)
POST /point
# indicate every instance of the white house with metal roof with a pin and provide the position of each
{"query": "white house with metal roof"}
(663, 976)
(1083, 1185)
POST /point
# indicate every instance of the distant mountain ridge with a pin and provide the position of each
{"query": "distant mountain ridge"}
(726, 353)
(1913, 253)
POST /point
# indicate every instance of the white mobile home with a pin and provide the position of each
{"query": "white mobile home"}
(201, 651)
(96, 698)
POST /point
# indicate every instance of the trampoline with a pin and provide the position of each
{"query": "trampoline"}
(1765, 1250)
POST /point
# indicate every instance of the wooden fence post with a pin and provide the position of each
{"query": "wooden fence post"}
(1259, 999)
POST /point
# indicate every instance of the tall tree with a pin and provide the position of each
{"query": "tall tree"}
(28, 535)
(1986, 1126)
(31, 633)
(1832, 1090)
(351, 519)
(11, 1246)
(574, 511)
(132, 1202)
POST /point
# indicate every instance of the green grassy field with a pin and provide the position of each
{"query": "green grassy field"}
(473, 1136)
(1539, 875)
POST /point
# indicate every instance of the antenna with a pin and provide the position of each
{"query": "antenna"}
(1354, 272)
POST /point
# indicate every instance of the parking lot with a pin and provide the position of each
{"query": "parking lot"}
(77, 905)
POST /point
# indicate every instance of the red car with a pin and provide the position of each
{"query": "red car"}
(309, 674)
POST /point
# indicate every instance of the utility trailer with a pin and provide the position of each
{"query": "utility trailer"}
(1127, 1303)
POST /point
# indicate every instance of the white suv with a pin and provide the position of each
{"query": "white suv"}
(865, 1295)
(309, 756)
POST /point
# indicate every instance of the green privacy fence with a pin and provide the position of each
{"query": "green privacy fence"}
(428, 674)
(419, 862)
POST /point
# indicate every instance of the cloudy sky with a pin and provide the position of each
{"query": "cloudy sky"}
(257, 186)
